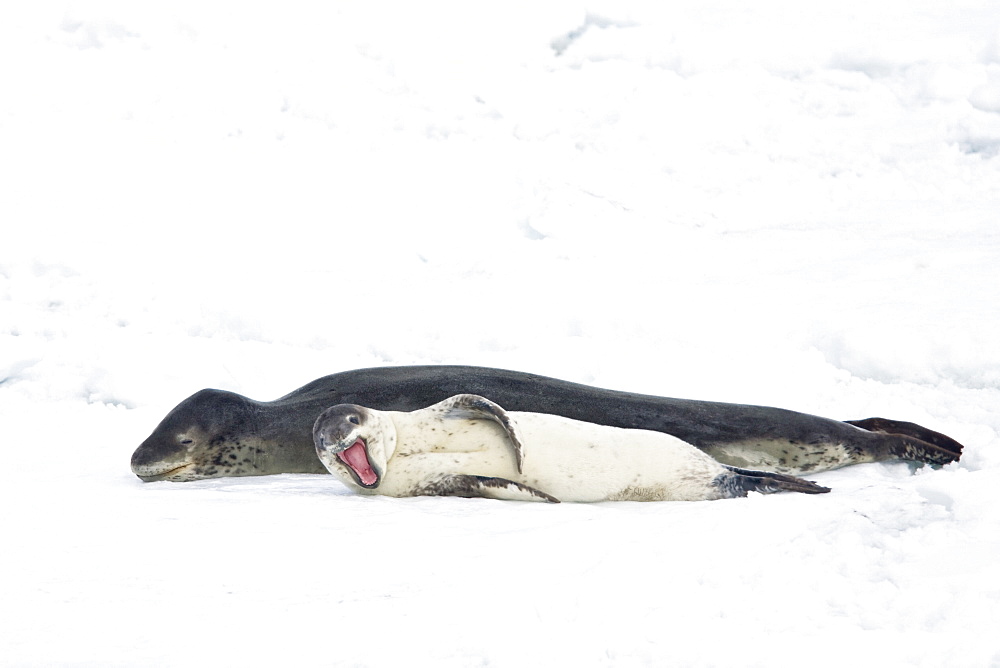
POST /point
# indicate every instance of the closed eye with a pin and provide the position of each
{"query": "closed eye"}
(187, 441)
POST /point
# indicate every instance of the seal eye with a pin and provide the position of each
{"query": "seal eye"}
(187, 441)
(353, 419)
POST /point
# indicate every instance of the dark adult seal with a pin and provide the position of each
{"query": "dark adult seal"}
(214, 433)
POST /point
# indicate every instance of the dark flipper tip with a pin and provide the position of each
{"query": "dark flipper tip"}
(743, 481)
(914, 442)
(489, 487)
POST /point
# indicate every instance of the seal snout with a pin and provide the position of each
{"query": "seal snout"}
(334, 445)
(165, 472)
(157, 459)
(332, 440)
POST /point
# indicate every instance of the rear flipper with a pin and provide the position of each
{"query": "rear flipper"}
(487, 487)
(913, 442)
(742, 481)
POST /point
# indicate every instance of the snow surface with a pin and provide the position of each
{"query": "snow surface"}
(781, 203)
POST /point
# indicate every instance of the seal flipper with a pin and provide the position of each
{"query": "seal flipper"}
(742, 481)
(469, 486)
(913, 441)
(475, 407)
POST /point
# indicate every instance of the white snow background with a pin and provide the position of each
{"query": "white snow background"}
(781, 203)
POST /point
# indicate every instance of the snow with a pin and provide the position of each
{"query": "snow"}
(777, 203)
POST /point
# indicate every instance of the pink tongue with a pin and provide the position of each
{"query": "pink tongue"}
(356, 457)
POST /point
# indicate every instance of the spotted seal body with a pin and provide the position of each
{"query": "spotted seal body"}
(469, 446)
(216, 433)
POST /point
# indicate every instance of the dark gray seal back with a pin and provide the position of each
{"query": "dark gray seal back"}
(216, 433)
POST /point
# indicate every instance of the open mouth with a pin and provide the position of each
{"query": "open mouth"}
(356, 459)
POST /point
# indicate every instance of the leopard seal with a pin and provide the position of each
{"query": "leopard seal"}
(469, 446)
(215, 433)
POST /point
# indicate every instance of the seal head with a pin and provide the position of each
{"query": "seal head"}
(216, 433)
(355, 443)
(199, 439)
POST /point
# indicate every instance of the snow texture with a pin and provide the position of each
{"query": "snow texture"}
(779, 203)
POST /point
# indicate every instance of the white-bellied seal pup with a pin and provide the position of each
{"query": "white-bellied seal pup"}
(468, 446)
(215, 433)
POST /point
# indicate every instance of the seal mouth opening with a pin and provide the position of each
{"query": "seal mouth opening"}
(356, 459)
(146, 476)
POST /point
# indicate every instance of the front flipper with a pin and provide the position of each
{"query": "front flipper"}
(469, 486)
(739, 482)
(475, 407)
